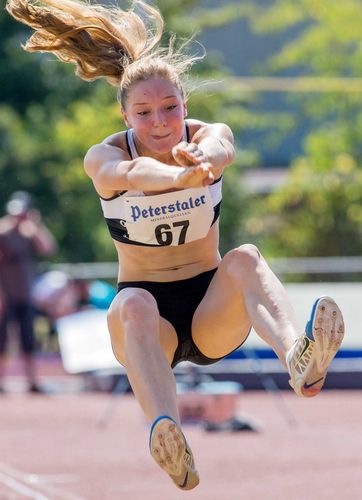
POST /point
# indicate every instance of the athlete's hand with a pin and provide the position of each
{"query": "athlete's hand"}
(195, 176)
(188, 154)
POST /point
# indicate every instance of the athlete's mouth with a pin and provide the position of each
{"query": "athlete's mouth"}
(160, 137)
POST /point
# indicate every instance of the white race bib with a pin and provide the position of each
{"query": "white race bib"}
(169, 218)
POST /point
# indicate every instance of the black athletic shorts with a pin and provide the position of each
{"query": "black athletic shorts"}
(177, 302)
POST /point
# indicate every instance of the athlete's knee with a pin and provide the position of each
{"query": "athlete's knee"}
(138, 307)
(247, 256)
(132, 315)
(242, 260)
(132, 306)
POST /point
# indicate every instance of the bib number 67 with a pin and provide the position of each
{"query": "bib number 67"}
(164, 234)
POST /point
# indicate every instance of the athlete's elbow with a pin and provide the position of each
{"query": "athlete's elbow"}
(132, 173)
(87, 166)
(229, 153)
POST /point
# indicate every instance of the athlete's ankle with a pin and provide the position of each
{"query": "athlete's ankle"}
(289, 354)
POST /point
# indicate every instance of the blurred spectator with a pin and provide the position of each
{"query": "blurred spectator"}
(23, 237)
(55, 294)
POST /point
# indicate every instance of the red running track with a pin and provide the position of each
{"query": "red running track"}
(51, 448)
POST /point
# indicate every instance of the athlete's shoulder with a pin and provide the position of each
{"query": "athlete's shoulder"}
(117, 140)
(194, 124)
(113, 147)
(202, 127)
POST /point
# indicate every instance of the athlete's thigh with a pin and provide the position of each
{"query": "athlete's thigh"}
(165, 331)
(221, 322)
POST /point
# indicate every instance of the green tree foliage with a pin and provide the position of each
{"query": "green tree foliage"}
(28, 79)
(49, 118)
(318, 211)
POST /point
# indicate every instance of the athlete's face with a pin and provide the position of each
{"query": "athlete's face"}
(156, 110)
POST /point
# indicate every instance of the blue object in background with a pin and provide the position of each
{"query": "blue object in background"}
(101, 294)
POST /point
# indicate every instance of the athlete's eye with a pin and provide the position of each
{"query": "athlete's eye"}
(170, 108)
(143, 113)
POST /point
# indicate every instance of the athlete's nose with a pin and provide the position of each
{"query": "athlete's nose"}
(160, 119)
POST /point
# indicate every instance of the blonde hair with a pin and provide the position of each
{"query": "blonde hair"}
(103, 42)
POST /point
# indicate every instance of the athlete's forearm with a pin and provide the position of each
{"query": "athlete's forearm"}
(144, 174)
(148, 174)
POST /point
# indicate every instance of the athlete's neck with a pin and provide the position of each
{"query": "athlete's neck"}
(142, 150)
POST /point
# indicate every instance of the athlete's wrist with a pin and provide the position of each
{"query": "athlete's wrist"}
(217, 151)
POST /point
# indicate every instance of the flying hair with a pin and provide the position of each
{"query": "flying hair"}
(103, 42)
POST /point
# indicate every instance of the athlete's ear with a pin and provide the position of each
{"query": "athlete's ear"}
(125, 119)
(185, 109)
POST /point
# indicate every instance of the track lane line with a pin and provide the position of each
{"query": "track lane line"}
(14, 478)
(18, 487)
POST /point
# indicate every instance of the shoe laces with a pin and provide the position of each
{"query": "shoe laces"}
(302, 354)
(188, 459)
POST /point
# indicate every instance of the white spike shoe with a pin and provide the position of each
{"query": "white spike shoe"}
(309, 359)
(170, 450)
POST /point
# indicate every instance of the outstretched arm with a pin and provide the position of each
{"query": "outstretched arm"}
(110, 170)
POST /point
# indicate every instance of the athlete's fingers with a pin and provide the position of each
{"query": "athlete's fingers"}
(198, 175)
(206, 165)
(181, 146)
(203, 172)
(196, 153)
(189, 158)
(209, 176)
(191, 147)
(178, 152)
(186, 146)
(188, 154)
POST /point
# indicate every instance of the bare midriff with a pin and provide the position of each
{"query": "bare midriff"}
(140, 263)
